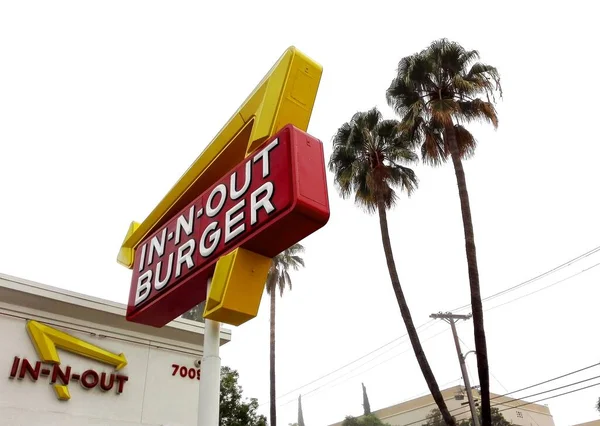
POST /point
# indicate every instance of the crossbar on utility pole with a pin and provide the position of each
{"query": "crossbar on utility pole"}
(451, 319)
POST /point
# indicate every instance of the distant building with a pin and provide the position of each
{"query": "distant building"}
(414, 412)
(592, 423)
(70, 359)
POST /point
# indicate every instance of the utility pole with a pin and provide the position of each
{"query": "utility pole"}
(451, 318)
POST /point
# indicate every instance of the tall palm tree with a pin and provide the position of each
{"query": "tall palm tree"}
(366, 162)
(279, 278)
(436, 92)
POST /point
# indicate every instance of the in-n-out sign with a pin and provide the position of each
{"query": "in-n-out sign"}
(269, 202)
(214, 220)
(46, 341)
(257, 188)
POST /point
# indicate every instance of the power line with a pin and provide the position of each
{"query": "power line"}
(505, 389)
(528, 396)
(488, 309)
(548, 381)
(362, 372)
(560, 387)
(553, 396)
(545, 287)
(562, 376)
(535, 394)
(536, 278)
(429, 338)
(349, 364)
(523, 404)
(432, 322)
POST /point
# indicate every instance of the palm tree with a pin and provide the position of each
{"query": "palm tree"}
(279, 278)
(436, 92)
(367, 152)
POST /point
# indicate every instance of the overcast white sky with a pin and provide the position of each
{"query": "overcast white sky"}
(103, 105)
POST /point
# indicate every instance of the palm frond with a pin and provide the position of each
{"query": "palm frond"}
(464, 86)
(387, 128)
(403, 177)
(294, 250)
(486, 77)
(342, 135)
(371, 119)
(288, 280)
(443, 110)
(401, 151)
(296, 262)
(478, 110)
(400, 96)
(433, 149)
(365, 163)
(439, 88)
(279, 277)
(466, 142)
(364, 192)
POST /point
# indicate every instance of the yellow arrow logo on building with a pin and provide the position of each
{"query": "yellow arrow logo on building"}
(47, 340)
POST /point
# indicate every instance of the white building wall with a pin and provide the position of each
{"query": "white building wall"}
(151, 396)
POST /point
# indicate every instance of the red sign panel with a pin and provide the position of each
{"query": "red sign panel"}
(272, 200)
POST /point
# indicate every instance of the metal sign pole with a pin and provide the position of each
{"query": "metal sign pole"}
(210, 377)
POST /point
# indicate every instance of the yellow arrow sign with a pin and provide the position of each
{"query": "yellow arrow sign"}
(286, 95)
(237, 286)
(47, 340)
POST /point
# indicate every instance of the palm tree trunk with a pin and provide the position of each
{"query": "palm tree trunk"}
(476, 305)
(272, 360)
(410, 326)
